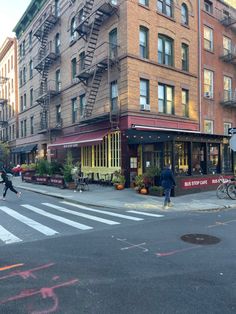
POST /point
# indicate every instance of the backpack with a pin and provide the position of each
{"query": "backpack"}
(9, 176)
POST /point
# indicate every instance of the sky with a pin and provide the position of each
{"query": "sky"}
(10, 13)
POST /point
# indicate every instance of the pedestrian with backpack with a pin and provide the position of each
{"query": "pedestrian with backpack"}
(8, 184)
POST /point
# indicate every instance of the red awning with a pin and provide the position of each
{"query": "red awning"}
(85, 139)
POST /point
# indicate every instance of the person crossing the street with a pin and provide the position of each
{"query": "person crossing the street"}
(8, 185)
(167, 182)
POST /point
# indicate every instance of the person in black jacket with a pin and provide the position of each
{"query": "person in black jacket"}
(167, 182)
(8, 184)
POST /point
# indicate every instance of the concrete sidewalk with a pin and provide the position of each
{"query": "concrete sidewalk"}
(107, 196)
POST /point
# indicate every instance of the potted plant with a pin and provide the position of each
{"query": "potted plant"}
(140, 184)
(67, 171)
(118, 180)
(156, 190)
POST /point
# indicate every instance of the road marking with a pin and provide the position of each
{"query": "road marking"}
(105, 221)
(143, 213)
(7, 237)
(58, 218)
(30, 222)
(103, 211)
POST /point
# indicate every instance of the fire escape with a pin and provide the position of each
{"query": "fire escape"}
(48, 53)
(97, 58)
(3, 113)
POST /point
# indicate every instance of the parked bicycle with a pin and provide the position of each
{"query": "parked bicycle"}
(226, 188)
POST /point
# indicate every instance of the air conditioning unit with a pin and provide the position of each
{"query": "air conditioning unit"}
(145, 107)
(75, 80)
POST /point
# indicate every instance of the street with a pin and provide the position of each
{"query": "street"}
(60, 257)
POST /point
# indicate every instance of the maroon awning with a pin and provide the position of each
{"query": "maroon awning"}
(84, 139)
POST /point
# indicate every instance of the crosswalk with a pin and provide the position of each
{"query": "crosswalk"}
(48, 219)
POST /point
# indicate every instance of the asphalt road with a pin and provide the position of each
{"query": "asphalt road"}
(116, 266)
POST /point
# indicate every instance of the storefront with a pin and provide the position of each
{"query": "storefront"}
(195, 155)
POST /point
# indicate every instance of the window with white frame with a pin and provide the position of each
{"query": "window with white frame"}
(82, 100)
(144, 94)
(227, 45)
(72, 29)
(208, 83)
(185, 103)
(208, 38)
(208, 6)
(165, 7)
(208, 126)
(227, 126)
(58, 80)
(227, 88)
(57, 43)
(165, 50)
(114, 96)
(165, 99)
(74, 110)
(143, 42)
(184, 14)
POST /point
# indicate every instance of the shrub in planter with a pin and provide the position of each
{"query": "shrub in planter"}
(118, 180)
(67, 169)
(156, 190)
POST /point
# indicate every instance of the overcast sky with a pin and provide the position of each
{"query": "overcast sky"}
(10, 13)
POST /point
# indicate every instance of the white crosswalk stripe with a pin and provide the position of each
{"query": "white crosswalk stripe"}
(62, 209)
(103, 211)
(7, 237)
(144, 213)
(30, 222)
(58, 218)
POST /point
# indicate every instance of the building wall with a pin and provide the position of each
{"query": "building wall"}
(211, 108)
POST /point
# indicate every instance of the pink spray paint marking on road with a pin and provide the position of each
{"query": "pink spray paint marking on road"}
(177, 251)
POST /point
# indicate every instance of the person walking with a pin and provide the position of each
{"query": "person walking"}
(8, 185)
(167, 182)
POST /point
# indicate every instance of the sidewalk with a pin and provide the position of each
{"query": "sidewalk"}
(104, 196)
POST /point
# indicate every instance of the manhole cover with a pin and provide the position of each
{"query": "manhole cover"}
(196, 238)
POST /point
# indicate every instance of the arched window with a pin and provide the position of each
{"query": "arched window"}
(184, 14)
(72, 28)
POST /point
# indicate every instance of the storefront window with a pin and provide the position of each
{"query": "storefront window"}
(198, 159)
(167, 153)
(227, 160)
(213, 151)
(181, 158)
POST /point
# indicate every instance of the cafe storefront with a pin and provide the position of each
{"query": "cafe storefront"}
(197, 159)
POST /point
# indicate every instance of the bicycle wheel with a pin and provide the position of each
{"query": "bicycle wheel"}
(231, 190)
(221, 191)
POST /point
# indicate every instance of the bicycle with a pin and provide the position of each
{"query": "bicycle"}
(231, 189)
(222, 190)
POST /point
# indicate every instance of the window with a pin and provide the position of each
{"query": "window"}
(114, 96)
(198, 158)
(208, 83)
(22, 129)
(208, 38)
(57, 8)
(21, 103)
(23, 48)
(82, 61)
(31, 69)
(144, 2)
(185, 103)
(165, 50)
(82, 104)
(31, 97)
(25, 104)
(226, 158)
(227, 88)
(208, 126)
(113, 43)
(208, 7)
(81, 15)
(57, 44)
(184, 14)
(72, 29)
(181, 151)
(213, 157)
(143, 42)
(21, 78)
(58, 114)
(74, 110)
(31, 125)
(73, 68)
(227, 45)
(24, 75)
(25, 128)
(165, 99)
(21, 54)
(185, 57)
(30, 39)
(58, 80)
(165, 7)
(144, 94)
(227, 126)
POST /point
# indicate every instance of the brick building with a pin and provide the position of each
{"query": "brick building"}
(9, 93)
(120, 84)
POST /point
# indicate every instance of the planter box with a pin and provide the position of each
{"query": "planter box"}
(42, 179)
(54, 181)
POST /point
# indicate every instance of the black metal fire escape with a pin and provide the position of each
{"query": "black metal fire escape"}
(90, 71)
(46, 56)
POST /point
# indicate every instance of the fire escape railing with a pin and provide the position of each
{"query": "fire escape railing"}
(229, 56)
(229, 98)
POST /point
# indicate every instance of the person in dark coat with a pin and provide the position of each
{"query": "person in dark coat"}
(167, 182)
(8, 184)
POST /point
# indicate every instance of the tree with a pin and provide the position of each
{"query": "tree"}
(4, 155)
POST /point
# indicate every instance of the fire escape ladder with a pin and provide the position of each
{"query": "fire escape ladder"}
(91, 98)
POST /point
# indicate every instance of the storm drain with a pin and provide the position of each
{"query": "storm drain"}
(203, 239)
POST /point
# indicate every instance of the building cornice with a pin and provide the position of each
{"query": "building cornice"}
(7, 44)
(33, 8)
